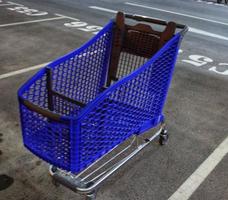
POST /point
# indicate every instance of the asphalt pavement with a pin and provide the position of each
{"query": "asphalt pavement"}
(196, 108)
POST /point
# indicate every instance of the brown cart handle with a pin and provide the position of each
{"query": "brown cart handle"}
(50, 93)
(156, 21)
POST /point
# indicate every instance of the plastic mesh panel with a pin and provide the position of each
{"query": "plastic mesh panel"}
(37, 91)
(48, 139)
(128, 63)
(65, 107)
(128, 106)
(81, 76)
(137, 48)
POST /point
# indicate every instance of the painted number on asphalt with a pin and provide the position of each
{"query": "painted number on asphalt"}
(83, 26)
(222, 72)
(28, 11)
(210, 2)
(200, 60)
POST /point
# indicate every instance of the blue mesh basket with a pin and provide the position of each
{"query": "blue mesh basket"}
(69, 116)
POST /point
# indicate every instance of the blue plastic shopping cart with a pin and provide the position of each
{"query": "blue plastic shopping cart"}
(90, 101)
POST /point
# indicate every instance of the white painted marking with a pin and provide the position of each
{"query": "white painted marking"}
(75, 24)
(91, 28)
(201, 32)
(176, 13)
(94, 29)
(21, 71)
(7, 4)
(185, 191)
(27, 11)
(214, 69)
(64, 16)
(198, 60)
(13, 3)
(103, 9)
(211, 3)
(191, 29)
(30, 22)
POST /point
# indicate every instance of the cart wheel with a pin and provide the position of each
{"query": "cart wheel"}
(91, 196)
(163, 139)
(55, 183)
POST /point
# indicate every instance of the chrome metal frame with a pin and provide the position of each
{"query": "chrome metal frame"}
(87, 184)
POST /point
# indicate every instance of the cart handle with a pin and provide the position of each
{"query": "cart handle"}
(41, 111)
(156, 21)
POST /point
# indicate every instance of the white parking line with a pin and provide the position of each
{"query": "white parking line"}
(21, 71)
(191, 29)
(176, 13)
(185, 191)
(64, 16)
(13, 3)
(7, 4)
(103, 9)
(10, 3)
(30, 22)
(201, 32)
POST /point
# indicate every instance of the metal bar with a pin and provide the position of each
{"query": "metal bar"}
(79, 103)
(108, 161)
(156, 21)
(151, 20)
(82, 172)
(118, 36)
(184, 31)
(49, 89)
(99, 175)
(74, 184)
(42, 111)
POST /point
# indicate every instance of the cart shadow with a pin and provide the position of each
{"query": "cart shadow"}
(5, 181)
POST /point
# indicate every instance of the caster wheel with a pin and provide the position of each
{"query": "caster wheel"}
(91, 196)
(164, 137)
(55, 183)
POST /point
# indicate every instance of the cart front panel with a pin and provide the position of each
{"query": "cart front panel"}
(48, 139)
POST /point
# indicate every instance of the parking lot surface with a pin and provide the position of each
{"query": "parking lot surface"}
(34, 33)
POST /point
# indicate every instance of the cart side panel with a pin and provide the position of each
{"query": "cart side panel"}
(50, 131)
(81, 75)
(130, 106)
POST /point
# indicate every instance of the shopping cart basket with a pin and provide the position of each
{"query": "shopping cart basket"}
(84, 105)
